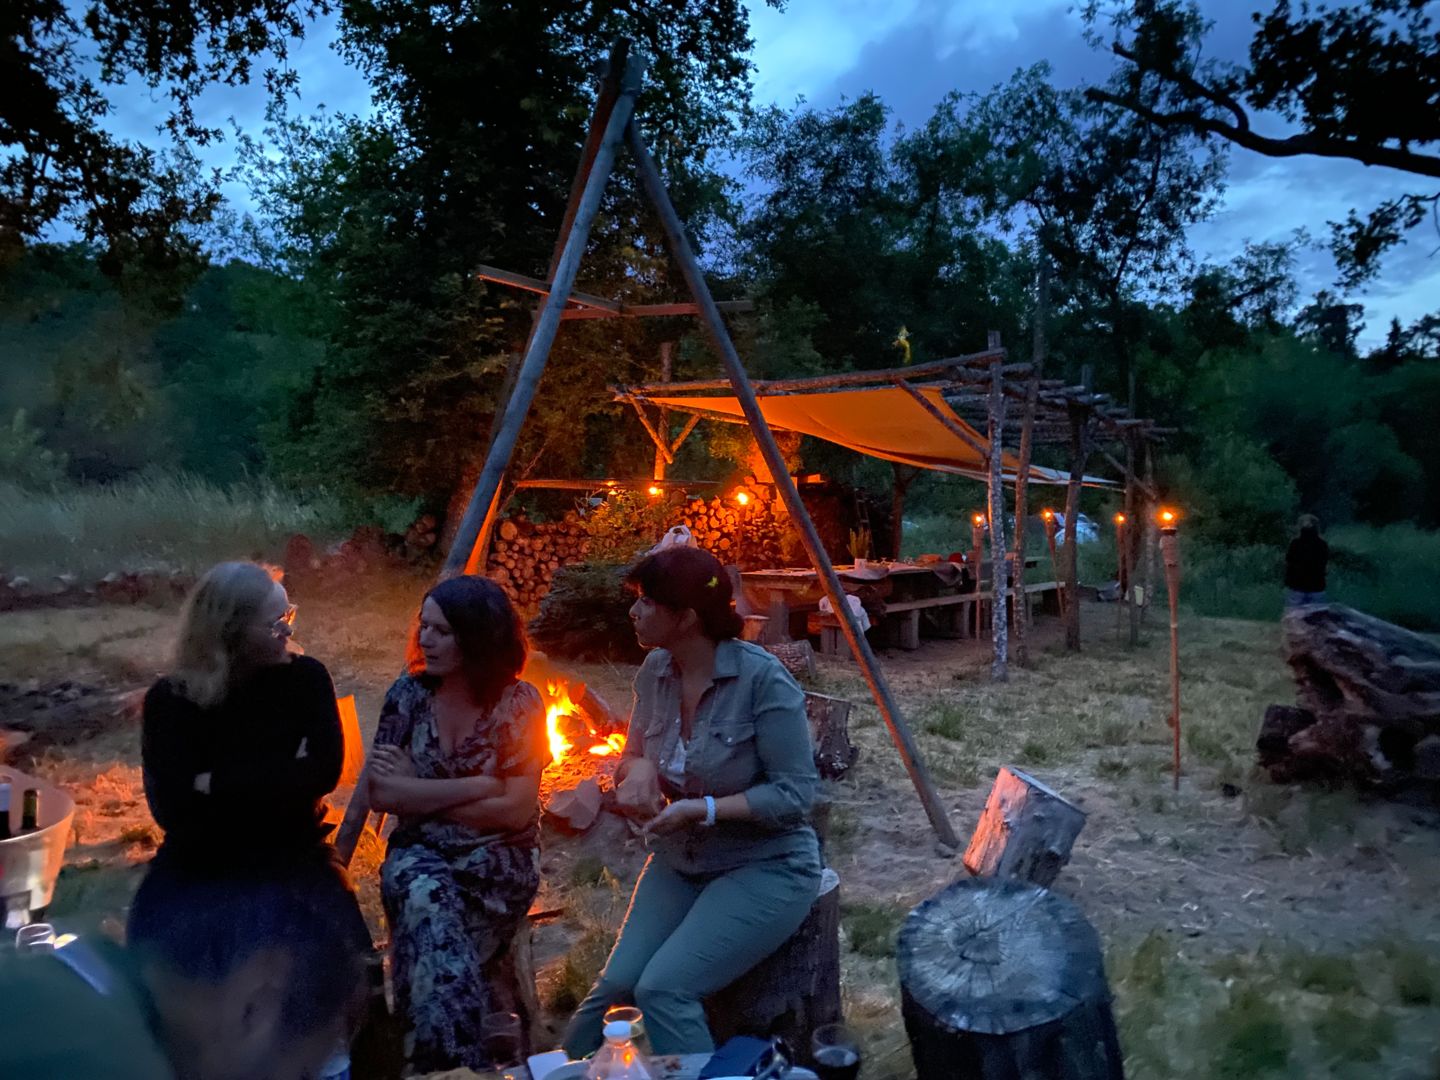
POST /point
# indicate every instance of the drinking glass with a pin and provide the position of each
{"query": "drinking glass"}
(500, 1035)
(836, 1053)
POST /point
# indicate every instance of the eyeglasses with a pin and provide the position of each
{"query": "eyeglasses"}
(284, 622)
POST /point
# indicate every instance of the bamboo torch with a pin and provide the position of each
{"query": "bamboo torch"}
(1048, 516)
(977, 559)
(1121, 572)
(1170, 552)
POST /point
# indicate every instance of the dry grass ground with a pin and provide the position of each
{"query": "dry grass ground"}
(1251, 930)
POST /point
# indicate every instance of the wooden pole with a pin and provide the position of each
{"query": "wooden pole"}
(662, 456)
(999, 610)
(904, 476)
(977, 560)
(1022, 472)
(745, 393)
(1137, 514)
(1079, 447)
(483, 502)
(1151, 539)
(1050, 526)
(1170, 549)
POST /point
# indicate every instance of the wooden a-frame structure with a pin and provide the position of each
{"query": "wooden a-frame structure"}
(612, 122)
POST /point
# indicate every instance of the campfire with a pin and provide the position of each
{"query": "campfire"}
(568, 726)
(585, 744)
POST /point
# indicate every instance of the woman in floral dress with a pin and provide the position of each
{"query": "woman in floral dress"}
(457, 757)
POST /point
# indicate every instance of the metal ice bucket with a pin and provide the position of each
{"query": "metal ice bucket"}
(30, 862)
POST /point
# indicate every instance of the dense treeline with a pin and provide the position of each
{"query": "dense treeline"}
(351, 350)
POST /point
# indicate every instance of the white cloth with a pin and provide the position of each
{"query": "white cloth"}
(857, 608)
(675, 536)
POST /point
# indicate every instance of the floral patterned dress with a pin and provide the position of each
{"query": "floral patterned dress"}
(455, 897)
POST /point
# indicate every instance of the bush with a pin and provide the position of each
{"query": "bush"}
(23, 460)
(585, 615)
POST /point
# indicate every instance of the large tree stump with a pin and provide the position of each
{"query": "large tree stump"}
(1025, 832)
(1369, 696)
(830, 735)
(792, 991)
(1000, 979)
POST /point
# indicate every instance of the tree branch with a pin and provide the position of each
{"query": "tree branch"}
(1294, 146)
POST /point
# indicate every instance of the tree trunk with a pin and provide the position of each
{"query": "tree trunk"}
(792, 991)
(999, 623)
(1001, 980)
(1025, 832)
(1079, 451)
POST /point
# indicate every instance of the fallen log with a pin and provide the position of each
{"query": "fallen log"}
(1025, 831)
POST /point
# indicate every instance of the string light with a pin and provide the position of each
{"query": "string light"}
(654, 489)
(743, 498)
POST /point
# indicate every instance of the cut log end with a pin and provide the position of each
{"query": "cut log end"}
(1025, 832)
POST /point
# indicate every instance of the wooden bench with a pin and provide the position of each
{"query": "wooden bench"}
(954, 610)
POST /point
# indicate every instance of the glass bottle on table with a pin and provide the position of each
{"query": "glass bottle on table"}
(636, 1019)
(618, 1059)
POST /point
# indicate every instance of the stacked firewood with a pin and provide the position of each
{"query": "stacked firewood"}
(526, 554)
(751, 536)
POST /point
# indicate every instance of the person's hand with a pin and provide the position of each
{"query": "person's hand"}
(676, 816)
(638, 795)
(391, 761)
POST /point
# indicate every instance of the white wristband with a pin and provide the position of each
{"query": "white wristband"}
(709, 811)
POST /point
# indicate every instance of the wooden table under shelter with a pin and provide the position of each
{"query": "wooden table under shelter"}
(900, 597)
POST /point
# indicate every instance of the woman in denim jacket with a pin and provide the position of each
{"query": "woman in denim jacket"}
(718, 760)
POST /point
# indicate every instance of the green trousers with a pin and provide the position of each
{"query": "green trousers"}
(684, 938)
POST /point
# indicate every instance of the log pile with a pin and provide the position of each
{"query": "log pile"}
(526, 554)
(751, 536)
(1368, 696)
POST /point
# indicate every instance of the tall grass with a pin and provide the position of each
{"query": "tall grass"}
(154, 522)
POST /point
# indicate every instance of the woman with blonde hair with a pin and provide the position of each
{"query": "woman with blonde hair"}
(242, 739)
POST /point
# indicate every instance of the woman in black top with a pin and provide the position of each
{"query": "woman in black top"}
(242, 739)
(1305, 564)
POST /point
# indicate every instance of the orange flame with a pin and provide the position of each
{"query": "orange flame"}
(560, 704)
(613, 744)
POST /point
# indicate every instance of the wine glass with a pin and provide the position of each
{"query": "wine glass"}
(500, 1036)
(836, 1053)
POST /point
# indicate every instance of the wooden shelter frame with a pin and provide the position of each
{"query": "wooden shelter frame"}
(612, 122)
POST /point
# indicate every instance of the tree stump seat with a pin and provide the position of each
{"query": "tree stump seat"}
(792, 991)
(1002, 979)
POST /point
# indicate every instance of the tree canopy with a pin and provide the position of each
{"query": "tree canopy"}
(1355, 81)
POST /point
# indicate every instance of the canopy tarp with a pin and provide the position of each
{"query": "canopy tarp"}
(886, 423)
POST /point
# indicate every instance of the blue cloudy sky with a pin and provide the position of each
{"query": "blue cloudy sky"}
(913, 52)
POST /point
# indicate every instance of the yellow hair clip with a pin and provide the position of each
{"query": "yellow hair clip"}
(712, 583)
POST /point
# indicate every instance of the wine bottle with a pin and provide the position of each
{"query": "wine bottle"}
(30, 810)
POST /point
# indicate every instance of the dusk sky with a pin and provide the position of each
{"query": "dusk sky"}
(911, 53)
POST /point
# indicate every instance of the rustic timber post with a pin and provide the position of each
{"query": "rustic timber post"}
(999, 620)
(977, 560)
(1170, 549)
(1136, 514)
(484, 503)
(1151, 539)
(680, 248)
(1079, 451)
(1022, 472)
(666, 350)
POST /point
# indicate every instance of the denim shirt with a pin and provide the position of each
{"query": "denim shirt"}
(750, 734)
